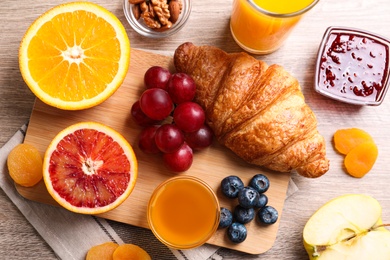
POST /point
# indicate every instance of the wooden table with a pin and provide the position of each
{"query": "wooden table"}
(209, 24)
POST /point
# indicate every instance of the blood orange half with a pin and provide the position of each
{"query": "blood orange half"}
(89, 168)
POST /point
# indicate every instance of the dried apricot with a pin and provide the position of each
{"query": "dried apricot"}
(361, 159)
(347, 139)
(25, 165)
(102, 252)
(131, 252)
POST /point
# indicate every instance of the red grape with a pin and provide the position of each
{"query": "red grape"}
(181, 87)
(189, 116)
(146, 141)
(169, 96)
(169, 138)
(156, 103)
(180, 160)
(157, 77)
(200, 139)
(139, 117)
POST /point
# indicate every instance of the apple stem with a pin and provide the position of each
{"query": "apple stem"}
(378, 226)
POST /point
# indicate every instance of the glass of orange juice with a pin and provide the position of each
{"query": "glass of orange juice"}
(261, 26)
(183, 212)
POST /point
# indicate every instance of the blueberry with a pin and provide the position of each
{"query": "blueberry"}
(243, 215)
(262, 201)
(267, 215)
(226, 218)
(248, 197)
(259, 182)
(237, 232)
(231, 185)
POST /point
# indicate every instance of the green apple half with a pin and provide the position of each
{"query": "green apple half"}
(347, 227)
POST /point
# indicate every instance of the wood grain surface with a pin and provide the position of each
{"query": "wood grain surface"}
(209, 24)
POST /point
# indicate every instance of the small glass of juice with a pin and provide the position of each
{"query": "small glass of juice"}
(261, 26)
(183, 212)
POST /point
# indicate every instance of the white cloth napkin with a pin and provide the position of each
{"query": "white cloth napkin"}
(70, 235)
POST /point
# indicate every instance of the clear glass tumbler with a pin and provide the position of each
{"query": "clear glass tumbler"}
(260, 31)
(183, 212)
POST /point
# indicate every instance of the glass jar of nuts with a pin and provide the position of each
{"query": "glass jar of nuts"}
(157, 18)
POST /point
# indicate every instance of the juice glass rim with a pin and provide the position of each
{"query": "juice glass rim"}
(283, 15)
(153, 197)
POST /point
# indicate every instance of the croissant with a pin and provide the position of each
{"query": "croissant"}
(255, 110)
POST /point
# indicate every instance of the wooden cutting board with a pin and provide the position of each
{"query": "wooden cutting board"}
(211, 165)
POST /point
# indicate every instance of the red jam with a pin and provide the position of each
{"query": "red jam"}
(354, 66)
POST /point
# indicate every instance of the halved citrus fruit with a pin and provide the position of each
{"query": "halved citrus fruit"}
(89, 168)
(75, 56)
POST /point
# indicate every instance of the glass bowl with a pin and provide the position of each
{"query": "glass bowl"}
(353, 66)
(140, 27)
(183, 212)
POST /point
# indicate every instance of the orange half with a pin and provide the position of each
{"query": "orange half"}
(75, 56)
(89, 168)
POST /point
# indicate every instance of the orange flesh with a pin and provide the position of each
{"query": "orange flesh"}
(82, 62)
(183, 213)
(89, 174)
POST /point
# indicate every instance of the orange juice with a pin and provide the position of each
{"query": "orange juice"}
(261, 26)
(183, 212)
(283, 6)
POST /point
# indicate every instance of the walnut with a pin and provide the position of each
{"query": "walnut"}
(161, 9)
(144, 7)
(147, 13)
(151, 10)
(157, 14)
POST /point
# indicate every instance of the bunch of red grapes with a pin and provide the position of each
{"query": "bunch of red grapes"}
(174, 124)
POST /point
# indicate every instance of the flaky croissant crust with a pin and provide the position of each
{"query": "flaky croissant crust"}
(257, 111)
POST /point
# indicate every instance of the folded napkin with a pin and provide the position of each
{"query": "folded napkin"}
(70, 235)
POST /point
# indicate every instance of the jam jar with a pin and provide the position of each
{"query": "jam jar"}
(353, 66)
